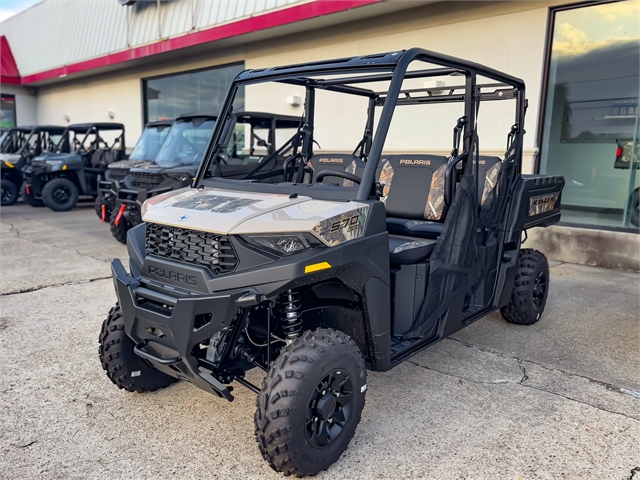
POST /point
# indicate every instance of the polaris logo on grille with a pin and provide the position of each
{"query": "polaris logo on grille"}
(183, 218)
(171, 275)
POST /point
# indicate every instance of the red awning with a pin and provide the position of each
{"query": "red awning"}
(8, 69)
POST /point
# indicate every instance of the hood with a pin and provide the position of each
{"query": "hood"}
(126, 164)
(10, 158)
(58, 157)
(151, 167)
(232, 212)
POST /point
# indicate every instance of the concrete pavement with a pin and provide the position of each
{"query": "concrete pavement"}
(555, 400)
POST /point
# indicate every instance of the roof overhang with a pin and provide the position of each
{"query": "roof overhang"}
(297, 18)
(9, 73)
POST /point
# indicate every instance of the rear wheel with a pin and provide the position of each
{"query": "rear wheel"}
(10, 193)
(30, 197)
(119, 230)
(530, 289)
(60, 194)
(311, 402)
(122, 365)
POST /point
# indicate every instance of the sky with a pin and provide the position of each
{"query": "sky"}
(9, 8)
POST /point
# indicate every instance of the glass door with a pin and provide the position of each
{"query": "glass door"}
(591, 113)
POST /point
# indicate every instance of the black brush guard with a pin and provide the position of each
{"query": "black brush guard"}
(165, 331)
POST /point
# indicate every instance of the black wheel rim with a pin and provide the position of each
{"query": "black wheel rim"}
(61, 194)
(329, 408)
(539, 288)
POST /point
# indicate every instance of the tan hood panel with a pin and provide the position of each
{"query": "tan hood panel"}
(226, 211)
(212, 210)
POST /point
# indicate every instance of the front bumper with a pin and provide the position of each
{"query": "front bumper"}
(167, 328)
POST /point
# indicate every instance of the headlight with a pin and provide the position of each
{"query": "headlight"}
(181, 177)
(282, 244)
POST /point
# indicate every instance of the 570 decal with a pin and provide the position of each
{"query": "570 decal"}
(350, 223)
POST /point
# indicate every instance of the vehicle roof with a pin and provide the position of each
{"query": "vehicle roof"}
(382, 62)
(160, 123)
(263, 119)
(77, 127)
(39, 128)
(187, 116)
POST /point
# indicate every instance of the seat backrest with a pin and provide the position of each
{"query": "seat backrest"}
(414, 186)
(488, 169)
(343, 162)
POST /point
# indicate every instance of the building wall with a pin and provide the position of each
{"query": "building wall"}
(508, 36)
(26, 103)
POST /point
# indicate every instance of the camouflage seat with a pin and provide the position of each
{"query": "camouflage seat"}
(414, 192)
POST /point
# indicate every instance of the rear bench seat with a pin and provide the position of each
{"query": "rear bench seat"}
(426, 188)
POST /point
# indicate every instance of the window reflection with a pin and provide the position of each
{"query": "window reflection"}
(203, 91)
(591, 112)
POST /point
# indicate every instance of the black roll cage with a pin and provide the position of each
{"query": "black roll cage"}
(393, 67)
(86, 129)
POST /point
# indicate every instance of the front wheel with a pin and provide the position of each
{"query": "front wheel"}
(119, 227)
(60, 194)
(530, 289)
(123, 367)
(101, 209)
(10, 193)
(30, 197)
(311, 402)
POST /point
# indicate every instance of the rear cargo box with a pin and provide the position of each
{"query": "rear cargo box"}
(536, 203)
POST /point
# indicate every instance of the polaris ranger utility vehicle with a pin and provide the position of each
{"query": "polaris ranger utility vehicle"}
(58, 179)
(179, 158)
(17, 149)
(313, 283)
(143, 153)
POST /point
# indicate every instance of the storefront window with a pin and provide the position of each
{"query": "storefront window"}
(590, 131)
(7, 111)
(202, 91)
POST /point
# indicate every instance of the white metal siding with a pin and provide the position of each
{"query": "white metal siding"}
(55, 33)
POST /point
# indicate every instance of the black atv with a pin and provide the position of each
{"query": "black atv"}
(143, 153)
(251, 150)
(314, 283)
(58, 179)
(18, 147)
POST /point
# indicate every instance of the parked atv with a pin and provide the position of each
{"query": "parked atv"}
(18, 147)
(314, 283)
(180, 156)
(58, 179)
(143, 153)
(628, 156)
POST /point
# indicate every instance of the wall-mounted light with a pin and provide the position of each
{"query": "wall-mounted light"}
(437, 86)
(111, 114)
(294, 100)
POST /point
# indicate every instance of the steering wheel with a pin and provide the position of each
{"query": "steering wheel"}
(338, 173)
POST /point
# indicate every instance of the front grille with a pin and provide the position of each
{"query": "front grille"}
(145, 180)
(114, 174)
(191, 246)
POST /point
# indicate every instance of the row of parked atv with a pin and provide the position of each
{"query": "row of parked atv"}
(53, 166)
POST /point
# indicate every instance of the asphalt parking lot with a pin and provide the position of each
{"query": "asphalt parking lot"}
(556, 400)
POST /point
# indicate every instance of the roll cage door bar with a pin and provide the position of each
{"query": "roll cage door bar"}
(391, 66)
